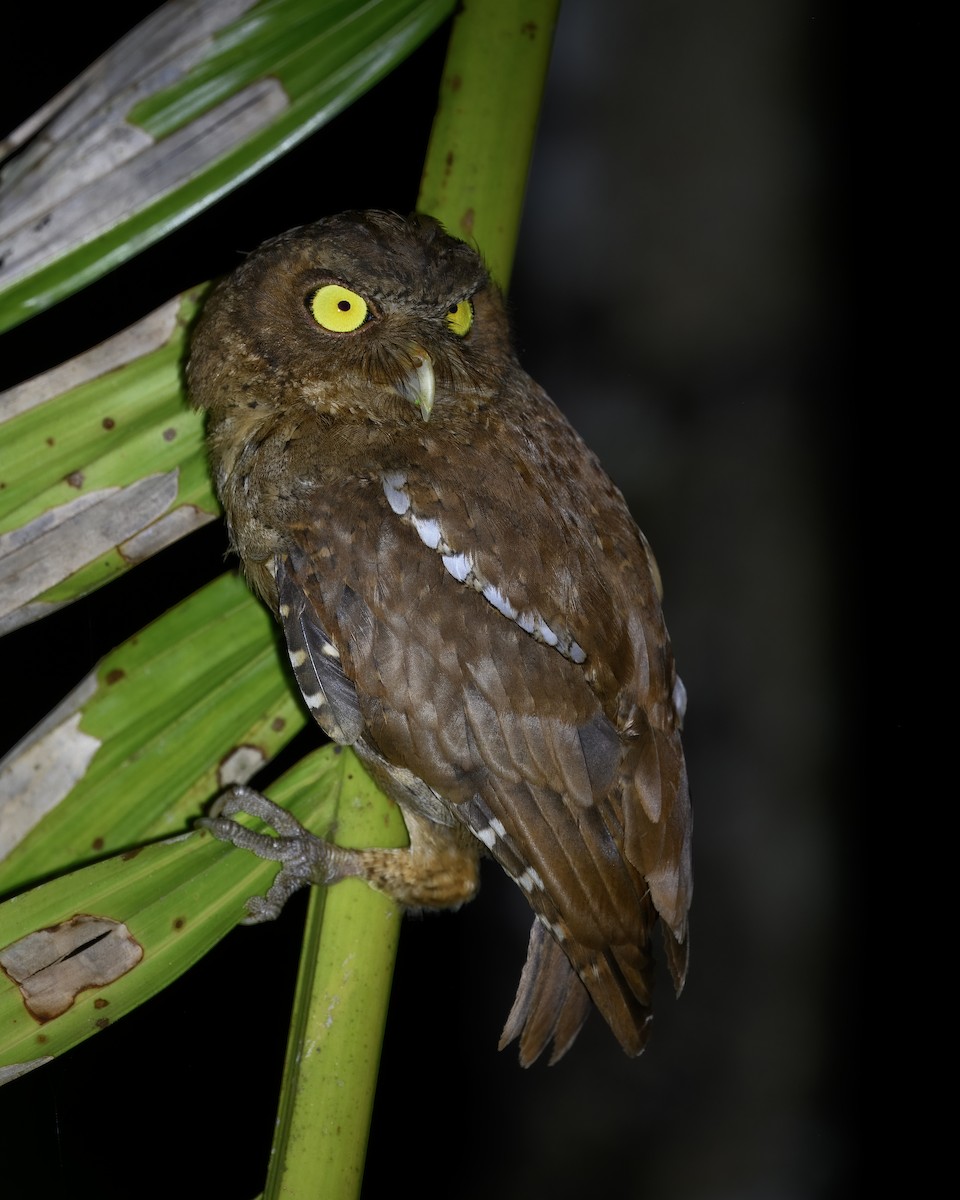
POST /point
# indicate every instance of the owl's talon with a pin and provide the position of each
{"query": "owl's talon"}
(243, 799)
(305, 858)
(260, 909)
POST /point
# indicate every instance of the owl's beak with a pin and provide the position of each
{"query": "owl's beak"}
(418, 385)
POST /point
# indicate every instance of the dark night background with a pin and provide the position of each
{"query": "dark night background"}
(679, 291)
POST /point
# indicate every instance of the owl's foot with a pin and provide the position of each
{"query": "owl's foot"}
(439, 870)
(304, 857)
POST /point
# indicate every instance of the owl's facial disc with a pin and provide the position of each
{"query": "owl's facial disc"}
(419, 385)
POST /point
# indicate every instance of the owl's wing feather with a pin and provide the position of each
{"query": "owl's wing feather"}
(330, 695)
(657, 824)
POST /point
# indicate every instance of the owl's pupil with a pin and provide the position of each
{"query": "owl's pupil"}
(343, 305)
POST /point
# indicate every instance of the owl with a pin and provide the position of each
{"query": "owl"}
(466, 602)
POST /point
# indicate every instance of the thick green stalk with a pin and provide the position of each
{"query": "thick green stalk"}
(336, 1030)
(475, 175)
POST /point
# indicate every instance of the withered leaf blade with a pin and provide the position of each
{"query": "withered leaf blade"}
(53, 966)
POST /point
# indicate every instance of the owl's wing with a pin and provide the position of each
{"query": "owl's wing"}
(488, 703)
(586, 694)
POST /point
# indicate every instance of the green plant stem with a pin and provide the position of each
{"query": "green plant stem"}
(333, 1054)
(475, 174)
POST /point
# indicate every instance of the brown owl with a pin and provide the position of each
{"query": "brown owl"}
(466, 602)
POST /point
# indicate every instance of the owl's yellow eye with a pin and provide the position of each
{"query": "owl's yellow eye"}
(338, 309)
(460, 317)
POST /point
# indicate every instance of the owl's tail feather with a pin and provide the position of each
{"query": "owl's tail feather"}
(555, 997)
(551, 1002)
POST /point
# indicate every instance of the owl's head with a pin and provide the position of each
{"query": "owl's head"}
(366, 312)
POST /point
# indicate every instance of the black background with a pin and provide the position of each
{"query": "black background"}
(680, 292)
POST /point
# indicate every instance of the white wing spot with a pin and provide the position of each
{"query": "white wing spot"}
(329, 650)
(297, 658)
(458, 565)
(530, 879)
(577, 652)
(499, 601)
(393, 485)
(315, 700)
(429, 530)
(527, 622)
(555, 928)
(546, 633)
(488, 836)
(497, 826)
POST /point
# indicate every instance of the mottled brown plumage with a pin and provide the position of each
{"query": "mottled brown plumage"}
(466, 600)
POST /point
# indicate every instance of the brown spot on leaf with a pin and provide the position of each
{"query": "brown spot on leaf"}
(100, 1002)
(109, 423)
(102, 1022)
(466, 221)
(97, 843)
(456, 83)
(169, 434)
(179, 922)
(52, 966)
(75, 479)
(278, 723)
(115, 675)
(51, 441)
(129, 855)
(529, 29)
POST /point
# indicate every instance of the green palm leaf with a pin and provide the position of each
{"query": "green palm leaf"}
(182, 110)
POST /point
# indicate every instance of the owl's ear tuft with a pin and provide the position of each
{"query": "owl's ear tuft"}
(426, 224)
